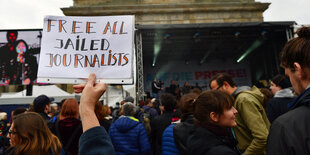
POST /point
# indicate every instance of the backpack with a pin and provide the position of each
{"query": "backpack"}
(147, 114)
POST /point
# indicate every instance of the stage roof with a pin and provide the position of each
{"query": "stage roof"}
(216, 40)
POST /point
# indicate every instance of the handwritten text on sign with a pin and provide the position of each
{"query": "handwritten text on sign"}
(72, 47)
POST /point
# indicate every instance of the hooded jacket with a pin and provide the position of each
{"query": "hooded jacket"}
(129, 137)
(174, 139)
(277, 105)
(181, 133)
(289, 133)
(158, 126)
(252, 123)
(153, 113)
(205, 142)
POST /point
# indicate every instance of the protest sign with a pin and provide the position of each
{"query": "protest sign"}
(73, 47)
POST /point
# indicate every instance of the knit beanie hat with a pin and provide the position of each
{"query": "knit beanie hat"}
(282, 81)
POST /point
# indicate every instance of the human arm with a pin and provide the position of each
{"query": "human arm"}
(254, 118)
(156, 86)
(91, 92)
(94, 139)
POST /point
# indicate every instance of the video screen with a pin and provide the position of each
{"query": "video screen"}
(19, 58)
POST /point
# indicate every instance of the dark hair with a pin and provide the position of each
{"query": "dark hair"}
(186, 103)
(19, 110)
(168, 101)
(196, 91)
(100, 111)
(61, 103)
(211, 101)
(267, 96)
(221, 77)
(297, 50)
(147, 101)
(282, 81)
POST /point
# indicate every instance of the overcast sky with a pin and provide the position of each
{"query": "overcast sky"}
(29, 14)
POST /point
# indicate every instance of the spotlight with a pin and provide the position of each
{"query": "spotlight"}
(196, 35)
(237, 34)
(264, 33)
(167, 36)
(254, 46)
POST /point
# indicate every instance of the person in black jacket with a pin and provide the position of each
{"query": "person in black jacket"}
(289, 133)
(160, 123)
(156, 88)
(214, 116)
(41, 105)
(182, 130)
(283, 95)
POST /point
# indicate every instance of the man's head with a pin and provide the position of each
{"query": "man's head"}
(186, 83)
(168, 102)
(129, 99)
(295, 58)
(149, 102)
(128, 109)
(223, 82)
(41, 104)
(172, 82)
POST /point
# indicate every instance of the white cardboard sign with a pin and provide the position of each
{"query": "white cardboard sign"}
(73, 47)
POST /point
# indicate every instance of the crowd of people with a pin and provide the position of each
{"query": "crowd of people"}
(226, 119)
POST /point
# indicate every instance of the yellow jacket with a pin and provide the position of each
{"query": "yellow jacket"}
(252, 123)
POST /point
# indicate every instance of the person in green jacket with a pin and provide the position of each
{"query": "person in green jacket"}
(252, 123)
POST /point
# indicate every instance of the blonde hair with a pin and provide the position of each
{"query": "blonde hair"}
(2, 115)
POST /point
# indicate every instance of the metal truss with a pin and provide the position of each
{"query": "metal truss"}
(140, 78)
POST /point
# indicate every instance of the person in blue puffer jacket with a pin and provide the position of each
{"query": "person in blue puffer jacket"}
(128, 135)
(168, 146)
(175, 136)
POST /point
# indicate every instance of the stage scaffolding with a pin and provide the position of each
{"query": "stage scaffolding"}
(139, 65)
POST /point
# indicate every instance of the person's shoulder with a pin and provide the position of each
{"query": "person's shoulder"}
(168, 130)
(295, 115)
(302, 111)
(197, 141)
(201, 133)
(249, 95)
(157, 119)
(221, 150)
(276, 101)
(93, 132)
